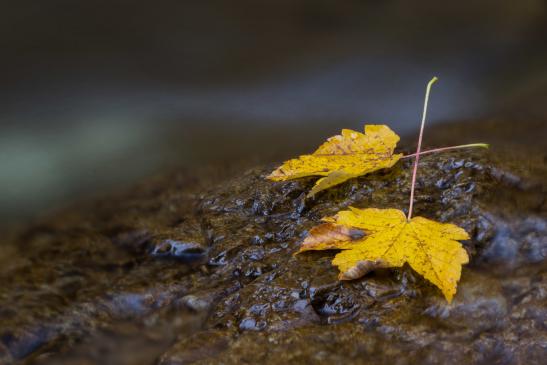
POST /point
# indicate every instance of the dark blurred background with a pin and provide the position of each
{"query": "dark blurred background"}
(96, 95)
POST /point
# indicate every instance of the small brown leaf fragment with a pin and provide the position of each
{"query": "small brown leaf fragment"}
(330, 236)
(362, 268)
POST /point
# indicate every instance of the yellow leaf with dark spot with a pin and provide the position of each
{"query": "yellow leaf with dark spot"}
(343, 157)
(430, 248)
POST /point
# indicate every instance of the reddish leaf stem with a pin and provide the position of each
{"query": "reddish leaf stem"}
(442, 149)
(417, 159)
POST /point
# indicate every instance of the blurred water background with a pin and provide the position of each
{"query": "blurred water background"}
(96, 95)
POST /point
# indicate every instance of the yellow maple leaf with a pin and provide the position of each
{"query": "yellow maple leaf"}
(342, 157)
(430, 248)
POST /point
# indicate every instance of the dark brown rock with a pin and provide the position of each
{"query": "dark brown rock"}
(199, 268)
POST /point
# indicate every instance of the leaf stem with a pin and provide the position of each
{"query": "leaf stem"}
(417, 159)
(442, 149)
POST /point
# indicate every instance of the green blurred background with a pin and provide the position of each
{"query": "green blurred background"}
(96, 95)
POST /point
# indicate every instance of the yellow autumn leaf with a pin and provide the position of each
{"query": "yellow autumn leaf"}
(343, 157)
(430, 248)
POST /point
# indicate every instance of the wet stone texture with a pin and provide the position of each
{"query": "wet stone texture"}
(194, 269)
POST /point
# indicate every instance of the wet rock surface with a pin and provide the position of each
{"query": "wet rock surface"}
(194, 269)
